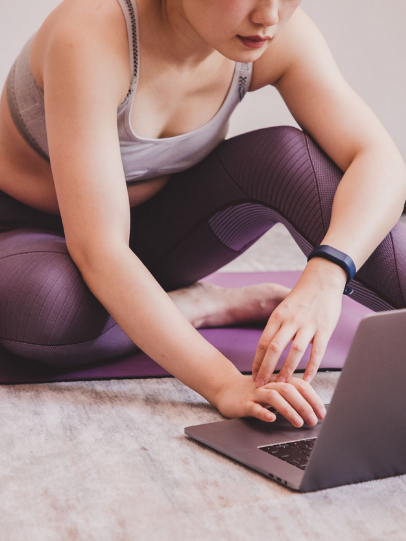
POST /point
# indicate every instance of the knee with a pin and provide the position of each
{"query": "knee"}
(44, 301)
(279, 163)
(264, 155)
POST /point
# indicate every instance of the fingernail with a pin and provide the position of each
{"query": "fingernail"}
(307, 379)
(322, 412)
(259, 382)
(280, 379)
(254, 375)
(312, 419)
(297, 420)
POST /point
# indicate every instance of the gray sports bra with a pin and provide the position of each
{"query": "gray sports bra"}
(143, 158)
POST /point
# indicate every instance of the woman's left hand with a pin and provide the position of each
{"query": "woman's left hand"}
(308, 314)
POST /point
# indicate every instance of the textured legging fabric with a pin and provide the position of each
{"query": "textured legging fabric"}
(205, 217)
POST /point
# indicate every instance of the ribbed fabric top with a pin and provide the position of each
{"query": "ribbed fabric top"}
(143, 158)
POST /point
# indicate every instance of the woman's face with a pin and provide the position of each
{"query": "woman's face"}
(221, 23)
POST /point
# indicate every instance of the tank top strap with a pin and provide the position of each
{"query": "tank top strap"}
(244, 77)
(129, 8)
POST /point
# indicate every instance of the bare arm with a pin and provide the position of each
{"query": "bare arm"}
(149, 317)
(81, 99)
(367, 204)
(84, 83)
(327, 108)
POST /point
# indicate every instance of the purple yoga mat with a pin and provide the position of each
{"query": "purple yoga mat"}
(237, 343)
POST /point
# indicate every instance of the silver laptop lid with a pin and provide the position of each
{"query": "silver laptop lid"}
(363, 436)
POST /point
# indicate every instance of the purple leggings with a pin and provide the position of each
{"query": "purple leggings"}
(201, 220)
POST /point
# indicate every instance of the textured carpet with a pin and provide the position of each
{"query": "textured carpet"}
(108, 460)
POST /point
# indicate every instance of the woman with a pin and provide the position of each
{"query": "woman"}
(113, 208)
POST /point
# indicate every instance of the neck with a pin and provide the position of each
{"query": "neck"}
(178, 43)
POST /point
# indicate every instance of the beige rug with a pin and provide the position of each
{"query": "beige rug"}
(101, 461)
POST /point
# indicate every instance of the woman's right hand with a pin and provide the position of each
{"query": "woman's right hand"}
(296, 400)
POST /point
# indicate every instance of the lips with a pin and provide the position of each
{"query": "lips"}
(256, 38)
(253, 42)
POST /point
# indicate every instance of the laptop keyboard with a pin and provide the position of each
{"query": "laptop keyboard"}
(296, 453)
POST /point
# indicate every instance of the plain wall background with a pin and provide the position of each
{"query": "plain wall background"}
(367, 39)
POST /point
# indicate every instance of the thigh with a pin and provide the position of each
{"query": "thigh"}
(209, 214)
(47, 312)
(171, 233)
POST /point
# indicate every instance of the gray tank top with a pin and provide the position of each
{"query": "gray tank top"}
(143, 158)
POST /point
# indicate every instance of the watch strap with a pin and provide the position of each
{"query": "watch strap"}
(340, 258)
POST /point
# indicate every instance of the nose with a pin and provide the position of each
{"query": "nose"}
(266, 13)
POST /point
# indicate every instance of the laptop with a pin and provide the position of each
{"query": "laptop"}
(363, 435)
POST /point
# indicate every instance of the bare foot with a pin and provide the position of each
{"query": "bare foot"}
(208, 305)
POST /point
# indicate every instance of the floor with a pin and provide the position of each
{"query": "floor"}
(108, 460)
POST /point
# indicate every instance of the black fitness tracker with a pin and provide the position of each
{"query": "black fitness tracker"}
(342, 259)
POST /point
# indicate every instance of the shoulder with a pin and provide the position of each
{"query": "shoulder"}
(86, 12)
(270, 66)
(91, 30)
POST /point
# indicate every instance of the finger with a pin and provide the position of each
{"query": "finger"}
(297, 349)
(274, 398)
(292, 395)
(258, 411)
(307, 391)
(269, 332)
(319, 346)
(275, 348)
